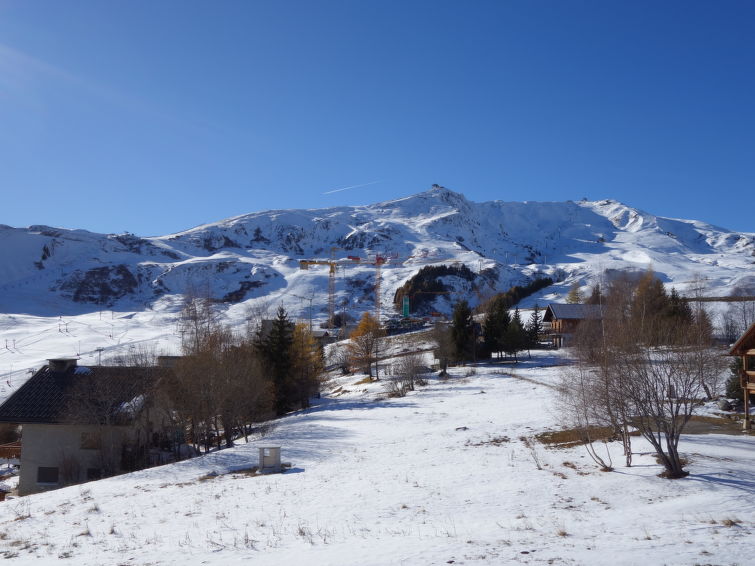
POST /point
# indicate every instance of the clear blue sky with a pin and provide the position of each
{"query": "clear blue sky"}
(155, 116)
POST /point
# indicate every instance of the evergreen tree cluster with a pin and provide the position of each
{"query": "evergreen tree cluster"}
(293, 361)
(501, 332)
(226, 381)
(518, 292)
(505, 333)
(424, 287)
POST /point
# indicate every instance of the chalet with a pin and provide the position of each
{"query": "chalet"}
(562, 320)
(81, 423)
(745, 349)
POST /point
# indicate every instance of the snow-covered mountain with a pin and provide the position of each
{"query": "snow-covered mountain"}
(51, 271)
(253, 260)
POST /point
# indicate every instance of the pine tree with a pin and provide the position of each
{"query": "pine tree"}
(534, 327)
(595, 297)
(462, 331)
(734, 382)
(515, 337)
(275, 350)
(495, 324)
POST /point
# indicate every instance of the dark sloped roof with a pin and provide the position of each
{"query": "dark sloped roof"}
(78, 394)
(745, 342)
(559, 311)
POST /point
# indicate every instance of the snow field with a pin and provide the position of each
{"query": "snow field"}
(437, 476)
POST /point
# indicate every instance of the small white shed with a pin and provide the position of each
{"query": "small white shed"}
(270, 460)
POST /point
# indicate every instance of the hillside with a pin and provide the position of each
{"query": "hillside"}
(71, 292)
(451, 474)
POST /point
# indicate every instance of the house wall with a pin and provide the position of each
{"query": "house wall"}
(565, 325)
(561, 330)
(60, 446)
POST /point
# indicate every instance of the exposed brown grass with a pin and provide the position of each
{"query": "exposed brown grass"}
(573, 437)
(246, 472)
(495, 441)
(730, 522)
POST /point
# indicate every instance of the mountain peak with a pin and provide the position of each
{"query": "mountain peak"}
(445, 194)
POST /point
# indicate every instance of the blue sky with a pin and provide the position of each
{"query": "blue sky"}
(153, 117)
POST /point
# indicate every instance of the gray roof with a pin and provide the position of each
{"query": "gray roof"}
(560, 311)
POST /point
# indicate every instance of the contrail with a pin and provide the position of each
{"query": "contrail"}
(351, 187)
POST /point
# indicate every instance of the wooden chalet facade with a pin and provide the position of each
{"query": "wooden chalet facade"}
(744, 348)
(562, 320)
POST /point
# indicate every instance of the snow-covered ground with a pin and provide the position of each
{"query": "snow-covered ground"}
(449, 474)
(92, 296)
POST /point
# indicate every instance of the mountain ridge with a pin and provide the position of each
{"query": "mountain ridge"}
(254, 255)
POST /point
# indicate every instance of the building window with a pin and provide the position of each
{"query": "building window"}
(90, 441)
(47, 475)
(750, 363)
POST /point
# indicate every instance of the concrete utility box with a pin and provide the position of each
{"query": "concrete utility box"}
(270, 460)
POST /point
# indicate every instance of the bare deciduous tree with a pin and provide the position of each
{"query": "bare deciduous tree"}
(407, 373)
(641, 367)
(219, 388)
(663, 386)
(585, 409)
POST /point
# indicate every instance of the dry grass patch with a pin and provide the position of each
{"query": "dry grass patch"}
(730, 522)
(571, 437)
(246, 472)
(495, 441)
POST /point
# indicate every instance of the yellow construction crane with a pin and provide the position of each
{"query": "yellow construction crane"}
(377, 260)
(333, 264)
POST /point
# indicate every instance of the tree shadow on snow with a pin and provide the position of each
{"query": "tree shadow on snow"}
(741, 480)
(326, 405)
(311, 442)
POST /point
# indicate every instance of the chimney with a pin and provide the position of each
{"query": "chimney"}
(60, 365)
